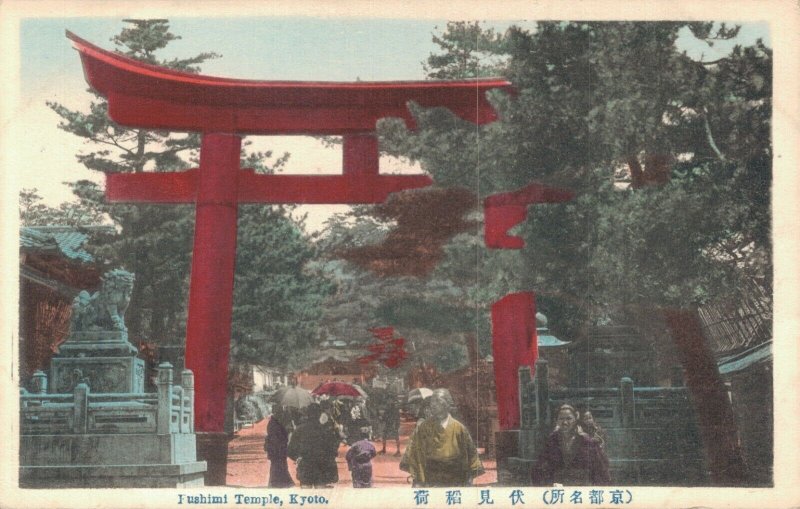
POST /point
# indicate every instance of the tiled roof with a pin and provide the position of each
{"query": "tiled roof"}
(61, 239)
(546, 339)
(742, 360)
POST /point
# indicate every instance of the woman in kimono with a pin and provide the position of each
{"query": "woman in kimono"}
(442, 452)
(276, 445)
(314, 446)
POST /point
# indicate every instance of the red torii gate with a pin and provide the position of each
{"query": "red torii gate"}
(152, 97)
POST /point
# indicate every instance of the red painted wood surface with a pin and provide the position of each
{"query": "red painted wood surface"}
(148, 96)
(360, 154)
(181, 187)
(208, 327)
(503, 211)
(514, 344)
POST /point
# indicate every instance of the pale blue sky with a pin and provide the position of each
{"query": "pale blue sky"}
(290, 48)
(293, 48)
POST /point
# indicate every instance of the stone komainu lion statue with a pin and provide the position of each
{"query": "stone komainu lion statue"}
(105, 309)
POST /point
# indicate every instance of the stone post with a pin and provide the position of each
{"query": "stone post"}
(524, 379)
(628, 447)
(164, 384)
(542, 390)
(80, 408)
(178, 392)
(187, 382)
(40, 382)
(628, 413)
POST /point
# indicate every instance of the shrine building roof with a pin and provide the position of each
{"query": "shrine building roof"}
(63, 240)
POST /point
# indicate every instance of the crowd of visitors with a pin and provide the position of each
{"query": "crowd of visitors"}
(440, 452)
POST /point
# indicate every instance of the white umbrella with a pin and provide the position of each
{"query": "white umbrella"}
(296, 397)
(419, 393)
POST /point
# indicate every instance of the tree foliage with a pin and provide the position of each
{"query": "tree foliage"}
(34, 212)
(670, 159)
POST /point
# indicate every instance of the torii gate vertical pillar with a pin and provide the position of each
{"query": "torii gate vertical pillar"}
(211, 287)
(211, 293)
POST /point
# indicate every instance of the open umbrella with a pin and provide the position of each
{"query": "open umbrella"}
(361, 391)
(295, 397)
(419, 393)
(336, 389)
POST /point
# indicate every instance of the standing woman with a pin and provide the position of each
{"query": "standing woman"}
(442, 452)
(314, 446)
(276, 445)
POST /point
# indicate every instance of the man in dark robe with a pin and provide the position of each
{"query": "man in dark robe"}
(569, 456)
(314, 446)
(276, 445)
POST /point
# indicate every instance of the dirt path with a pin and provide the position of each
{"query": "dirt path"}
(248, 465)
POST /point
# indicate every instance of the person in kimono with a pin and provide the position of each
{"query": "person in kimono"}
(276, 446)
(355, 425)
(359, 459)
(570, 457)
(595, 432)
(390, 420)
(421, 410)
(442, 452)
(314, 446)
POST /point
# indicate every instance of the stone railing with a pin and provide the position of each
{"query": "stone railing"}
(169, 410)
(652, 435)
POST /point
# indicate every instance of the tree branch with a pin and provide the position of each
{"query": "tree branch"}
(710, 137)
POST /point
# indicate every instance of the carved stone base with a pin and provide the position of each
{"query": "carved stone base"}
(102, 374)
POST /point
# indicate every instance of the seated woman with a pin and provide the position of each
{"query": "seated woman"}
(570, 457)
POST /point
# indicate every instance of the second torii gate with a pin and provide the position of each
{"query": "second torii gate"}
(223, 110)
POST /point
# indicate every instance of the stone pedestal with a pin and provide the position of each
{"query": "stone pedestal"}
(506, 449)
(113, 476)
(506, 444)
(105, 360)
(111, 440)
(212, 448)
(138, 460)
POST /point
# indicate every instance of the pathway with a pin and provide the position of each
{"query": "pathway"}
(248, 465)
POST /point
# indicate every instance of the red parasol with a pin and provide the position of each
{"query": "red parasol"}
(335, 389)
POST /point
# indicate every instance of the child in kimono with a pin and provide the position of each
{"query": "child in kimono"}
(359, 460)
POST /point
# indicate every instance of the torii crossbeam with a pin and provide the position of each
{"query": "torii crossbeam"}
(223, 110)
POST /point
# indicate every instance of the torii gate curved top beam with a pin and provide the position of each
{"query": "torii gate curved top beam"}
(152, 97)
